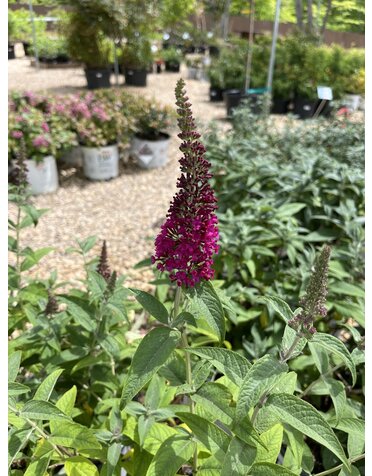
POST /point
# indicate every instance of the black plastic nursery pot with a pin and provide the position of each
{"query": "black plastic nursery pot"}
(172, 66)
(232, 98)
(214, 51)
(135, 77)
(98, 77)
(279, 106)
(11, 52)
(304, 108)
(216, 94)
(26, 48)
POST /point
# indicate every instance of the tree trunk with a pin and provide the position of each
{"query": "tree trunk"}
(299, 14)
(310, 23)
(325, 18)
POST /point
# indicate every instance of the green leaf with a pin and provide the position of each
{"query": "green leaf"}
(78, 313)
(351, 426)
(320, 356)
(45, 389)
(239, 458)
(216, 399)
(145, 423)
(269, 469)
(33, 257)
(351, 309)
(343, 288)
(153, 351)
(261, 377)
(205, 304)
(247, 432)
(212, 437)
(79, 466)
(345, 472)
(39, 466)
(66, 404)
(17, 441)
(87, 244)
(113, 455)
(14, 362)
(172, 454)
(289, 209)
(230, 363)
(73, 435)
(152, 305)
(15, 388)
(41, 410)
(295, 450)
(335, 346)
(184, 318)
(305, 418)
(272, 439)
(337, 392)
(278, 305)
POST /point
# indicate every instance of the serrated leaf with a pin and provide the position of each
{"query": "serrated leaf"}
(269, 469)
(45, 389)
(239, 458)
(41, 410)
(212, 437)
(334, 345)
(78, 313)
(73, 435)
(80, 466)
(15, 388)
(66, 404)
(153, 351)
(14, 362)
(305, 418)
(172, 454)
(39, 467)
(279, 306)
(152, 305)
(33, 257)
(205, 304)
(216, 399)
(272, 439)
(230, 363)
(261, 377)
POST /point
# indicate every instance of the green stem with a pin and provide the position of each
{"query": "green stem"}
(185, 345)
(18, 262)
(336, 468)
(311, 385)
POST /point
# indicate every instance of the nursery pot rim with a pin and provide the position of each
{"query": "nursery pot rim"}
(163, 136)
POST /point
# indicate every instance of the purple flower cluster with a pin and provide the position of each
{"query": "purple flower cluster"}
(313, 303)
(188, 238)
(17, 134)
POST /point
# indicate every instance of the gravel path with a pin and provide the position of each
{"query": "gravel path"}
(126, 211)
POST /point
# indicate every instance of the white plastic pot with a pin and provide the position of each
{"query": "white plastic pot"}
(73, 158)
(101, 163)
(150, 154)
(192, 73)
(42, 176)
(352, 101)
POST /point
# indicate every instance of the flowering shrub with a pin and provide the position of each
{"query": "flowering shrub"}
(180, 407)
(152, 121)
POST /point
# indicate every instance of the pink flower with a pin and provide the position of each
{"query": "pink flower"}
(16, 134)
(40, 141)
(80, 108)
(100, 113)
(45, 127)
(188, 238)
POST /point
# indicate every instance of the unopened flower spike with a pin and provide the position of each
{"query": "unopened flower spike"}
(188, 238)
(52, 305)
(313, 303)
(103, 267)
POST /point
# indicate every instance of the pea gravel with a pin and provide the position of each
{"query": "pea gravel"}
(127, 211)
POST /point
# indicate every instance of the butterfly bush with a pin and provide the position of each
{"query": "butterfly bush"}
(188, 238)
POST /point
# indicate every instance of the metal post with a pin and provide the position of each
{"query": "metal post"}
(116, 65)
(33, 33)
(250, 47)
(225, 20)
(273, 48)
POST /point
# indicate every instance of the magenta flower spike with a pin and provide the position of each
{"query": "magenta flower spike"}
(188, 238)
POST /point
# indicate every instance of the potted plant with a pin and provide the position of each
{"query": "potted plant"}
(95, 123)
(150, 142)
(172, 58)
(216, 79)
(51, 49)
(22, 29)
(30, 128)
(87, 44)
(194, 65)
(137, 58)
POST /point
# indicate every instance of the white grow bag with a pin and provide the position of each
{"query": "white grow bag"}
(101, 163)
(150, 154)
(42, 176)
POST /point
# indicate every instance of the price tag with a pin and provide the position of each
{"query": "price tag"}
(324, 93)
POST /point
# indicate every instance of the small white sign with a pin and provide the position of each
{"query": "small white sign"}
(325, 93)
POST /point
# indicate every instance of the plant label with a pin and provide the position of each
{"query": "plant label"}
(325, 93)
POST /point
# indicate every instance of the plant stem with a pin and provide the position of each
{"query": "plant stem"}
(336, 468)
(282, 360)
(185, 344)
(18, 262)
